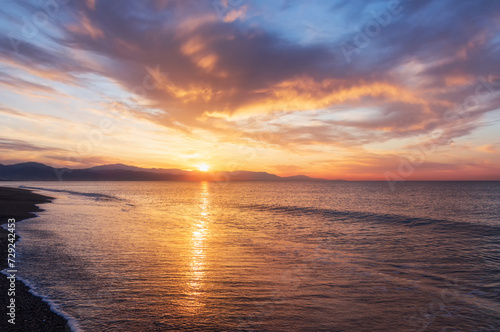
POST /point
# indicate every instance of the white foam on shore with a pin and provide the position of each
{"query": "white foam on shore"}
(72, 323)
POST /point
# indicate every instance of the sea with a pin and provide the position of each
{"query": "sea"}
(266, 256)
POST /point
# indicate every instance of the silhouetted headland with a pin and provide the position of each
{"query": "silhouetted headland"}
(33, 171)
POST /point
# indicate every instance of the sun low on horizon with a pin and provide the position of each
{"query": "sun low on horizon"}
(250, 165)
(203, 167)
(288, 88)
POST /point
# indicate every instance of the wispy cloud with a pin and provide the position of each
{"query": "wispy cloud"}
(19, 145)
(237, 72)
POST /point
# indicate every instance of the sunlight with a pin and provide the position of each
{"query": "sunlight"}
(198, 264)
(203, 167)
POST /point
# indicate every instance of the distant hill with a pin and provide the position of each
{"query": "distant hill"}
(32, 171)
(27, 171)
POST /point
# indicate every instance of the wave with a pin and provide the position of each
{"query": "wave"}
(96, 196)
(331, 214)
(72, 322)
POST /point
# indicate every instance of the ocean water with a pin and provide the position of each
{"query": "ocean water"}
(264, 256)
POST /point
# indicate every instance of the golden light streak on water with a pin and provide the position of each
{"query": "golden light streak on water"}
(198, 255)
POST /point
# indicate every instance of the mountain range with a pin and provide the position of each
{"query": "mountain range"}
(32, 171)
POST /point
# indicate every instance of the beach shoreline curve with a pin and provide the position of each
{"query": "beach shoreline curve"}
(33, 312)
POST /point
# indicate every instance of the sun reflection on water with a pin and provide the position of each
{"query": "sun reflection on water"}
(197, 254)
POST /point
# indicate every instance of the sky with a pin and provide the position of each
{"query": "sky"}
(358, 90)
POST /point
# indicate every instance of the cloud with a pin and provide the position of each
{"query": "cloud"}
(372, 166)
(245, 80)
(19, 84)
(81, 162)
(223, 69)
(490, 148)
(38, 118)
(287, 169)
(19, 145)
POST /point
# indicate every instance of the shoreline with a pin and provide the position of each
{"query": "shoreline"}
(32, 312)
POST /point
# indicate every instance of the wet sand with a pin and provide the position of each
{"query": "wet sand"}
(32, 314)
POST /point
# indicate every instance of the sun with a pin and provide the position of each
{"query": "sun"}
(203, 167)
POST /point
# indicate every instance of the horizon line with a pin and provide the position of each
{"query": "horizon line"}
(284, 177)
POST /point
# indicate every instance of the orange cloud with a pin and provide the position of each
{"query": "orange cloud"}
(91, 4)
(235, 14)
(307, 94)
(490, 148)
(85, 28)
